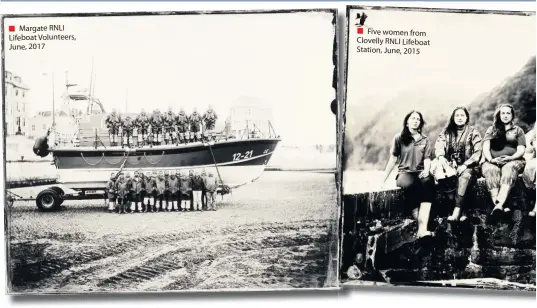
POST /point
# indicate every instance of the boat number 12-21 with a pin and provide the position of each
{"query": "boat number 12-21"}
(239, 156)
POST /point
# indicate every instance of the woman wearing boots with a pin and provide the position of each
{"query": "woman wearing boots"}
(459, 147)
(411, 150)
(503, 149)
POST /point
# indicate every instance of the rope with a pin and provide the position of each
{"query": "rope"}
(122, 166)
(161, 156)
(87, 162)
(225, 188)
(130, 162)
(113, 163)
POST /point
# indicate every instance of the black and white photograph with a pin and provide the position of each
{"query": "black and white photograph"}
(171, 151)
(439, 149)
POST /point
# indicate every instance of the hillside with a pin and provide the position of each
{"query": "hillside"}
(369, 148)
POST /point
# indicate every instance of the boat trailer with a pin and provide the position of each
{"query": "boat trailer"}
(52, 194)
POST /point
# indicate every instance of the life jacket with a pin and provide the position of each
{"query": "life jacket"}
(162, 186)
(123, 189)
(210, 183)
(185, 185)
(111, 186)
(173, 185)
(149, 185)
(136, 186)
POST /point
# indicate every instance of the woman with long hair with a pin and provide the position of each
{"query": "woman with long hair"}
(459, 146)
(503, 157)
(411, 151)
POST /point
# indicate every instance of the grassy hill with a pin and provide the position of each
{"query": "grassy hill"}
(369, 148)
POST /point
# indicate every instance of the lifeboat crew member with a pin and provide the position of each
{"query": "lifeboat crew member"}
(168, 122)
(185, 187)
(161, 185)
(128, 180)
(135, 134)
(142, 122)
(149, 185)
(210, 191)
(197, 187)
(122, 188)
(112, 123)
(195, 122)
(127, 129)
(137, 193)
(191, 178)
(210, 119)
(173, 190)
(111, 192)
(182, 125)
(150, 136)
(203, 191)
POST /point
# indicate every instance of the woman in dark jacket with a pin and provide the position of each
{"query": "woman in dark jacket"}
(459, 146)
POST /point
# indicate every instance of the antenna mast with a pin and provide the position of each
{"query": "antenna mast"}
(90, 88)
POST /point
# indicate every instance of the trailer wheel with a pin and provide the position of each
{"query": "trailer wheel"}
(48, 200)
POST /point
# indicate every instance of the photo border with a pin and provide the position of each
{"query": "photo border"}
(332, 275)
(344, 158)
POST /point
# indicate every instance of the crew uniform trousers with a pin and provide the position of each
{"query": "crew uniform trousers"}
(111, 195)
(137, 194)
(173, 194)
(161, 193)
(416, 190)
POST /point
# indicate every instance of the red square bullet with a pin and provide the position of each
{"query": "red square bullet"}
(360, 30)
(11, 28)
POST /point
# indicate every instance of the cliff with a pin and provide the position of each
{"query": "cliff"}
(367, 140)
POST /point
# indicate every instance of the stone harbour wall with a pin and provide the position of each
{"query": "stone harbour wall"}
(379, 243)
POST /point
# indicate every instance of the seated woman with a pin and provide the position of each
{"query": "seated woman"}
(459, 146)
(529, 171)
(503, 149)
(412, 151)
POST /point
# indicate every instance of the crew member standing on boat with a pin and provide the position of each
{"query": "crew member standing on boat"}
(195, 123)
(210, 118)
(137, 193)
(157, 122)
(182, 124)
(161, 191)
(111, 192)
(173, 191)
(142, 122)
(169, 119)
(122, 189)
(150, 185)
(113, 124)
(150, 136)
(127, 131)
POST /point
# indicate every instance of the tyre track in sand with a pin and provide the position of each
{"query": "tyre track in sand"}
(149, 262)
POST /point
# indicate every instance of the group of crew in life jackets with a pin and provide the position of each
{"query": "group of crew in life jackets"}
(160, 191)
(161, 128)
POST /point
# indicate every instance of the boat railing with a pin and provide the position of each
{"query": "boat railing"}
(163, 136)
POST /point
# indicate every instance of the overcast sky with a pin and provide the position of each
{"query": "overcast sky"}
(284, 60)
(469, 54)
